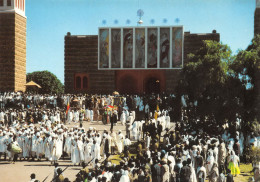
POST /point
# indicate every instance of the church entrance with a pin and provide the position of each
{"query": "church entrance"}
(152, 85)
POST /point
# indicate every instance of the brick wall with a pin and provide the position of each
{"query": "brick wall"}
(81, 55)
(257, 31)
(7, 51)
(12, 52)
(257, 21)
(20, 52)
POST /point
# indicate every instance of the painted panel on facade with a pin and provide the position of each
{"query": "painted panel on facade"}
(104, 48)
(139, 47)
(177, 36)
(128, 48)
(152, 48)
(115, 48)
(164, 47)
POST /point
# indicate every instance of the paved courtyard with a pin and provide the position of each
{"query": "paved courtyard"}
(21, 170)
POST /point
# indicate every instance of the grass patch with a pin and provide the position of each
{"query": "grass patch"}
(115, 159)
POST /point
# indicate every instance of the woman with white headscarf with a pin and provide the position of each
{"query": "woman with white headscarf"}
(233, 164)
(214, 173)
(210, 161)
(124, 177)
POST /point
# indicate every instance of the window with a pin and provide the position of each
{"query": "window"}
(81, 81)
(9, 3)
(78, 82)
(85, 82)
(1, 2)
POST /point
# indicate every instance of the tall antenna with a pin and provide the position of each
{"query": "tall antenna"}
(140, 13)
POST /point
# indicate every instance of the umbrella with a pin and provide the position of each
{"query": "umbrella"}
(32, 84)
(115, 93)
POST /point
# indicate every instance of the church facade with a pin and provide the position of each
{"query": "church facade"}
(82, 73)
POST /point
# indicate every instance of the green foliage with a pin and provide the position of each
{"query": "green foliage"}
(49, 82)
(204, 79)
(244, 68)
(255, 155)
(223, 86)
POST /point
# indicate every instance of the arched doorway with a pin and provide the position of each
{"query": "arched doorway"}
(152, 85)
(127, 85)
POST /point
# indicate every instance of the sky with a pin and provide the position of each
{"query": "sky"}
(48, 21)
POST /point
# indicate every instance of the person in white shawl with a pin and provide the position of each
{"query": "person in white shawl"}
(210, 161)
(87, 113)
(124, 177)
(123, 118)
(47, 147)
(39, 146)
(135, 130)
(26, 145)
(34, 146)
(67, 145)
(120, 140)
(91, 115)
(87, 151)
(56, 148)
(95, 151)
(76, 116)
(201, 173)
(76, 150)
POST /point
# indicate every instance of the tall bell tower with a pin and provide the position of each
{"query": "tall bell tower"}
(12, 45)
(257, 18)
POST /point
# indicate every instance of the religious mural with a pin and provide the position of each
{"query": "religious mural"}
(104, 48)
(152, 48)
(164, 47)
(177, 34)
(139, 47)
(115, 48)
(128, 48)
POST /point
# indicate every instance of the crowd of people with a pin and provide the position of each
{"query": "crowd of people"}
(151, 148)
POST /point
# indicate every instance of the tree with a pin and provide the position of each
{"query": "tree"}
(204, 80)
(48, 81)
(245, 67)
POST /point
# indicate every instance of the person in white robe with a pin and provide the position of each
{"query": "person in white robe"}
(120, 140)
(20, 142)
(26, 145)
(76, 116)
(133, 113)
(67, 145)
(34, 146)
(76, 150)
(124, 177)
(87, 113)
(7, 141)
(168, 121)
(87, 151)
(70, 116)
(47, 147)
(2, 140)
(95, 151)
(91, 115)
(123, 118)
(210, 161)
(135, 130)
(39, 146)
